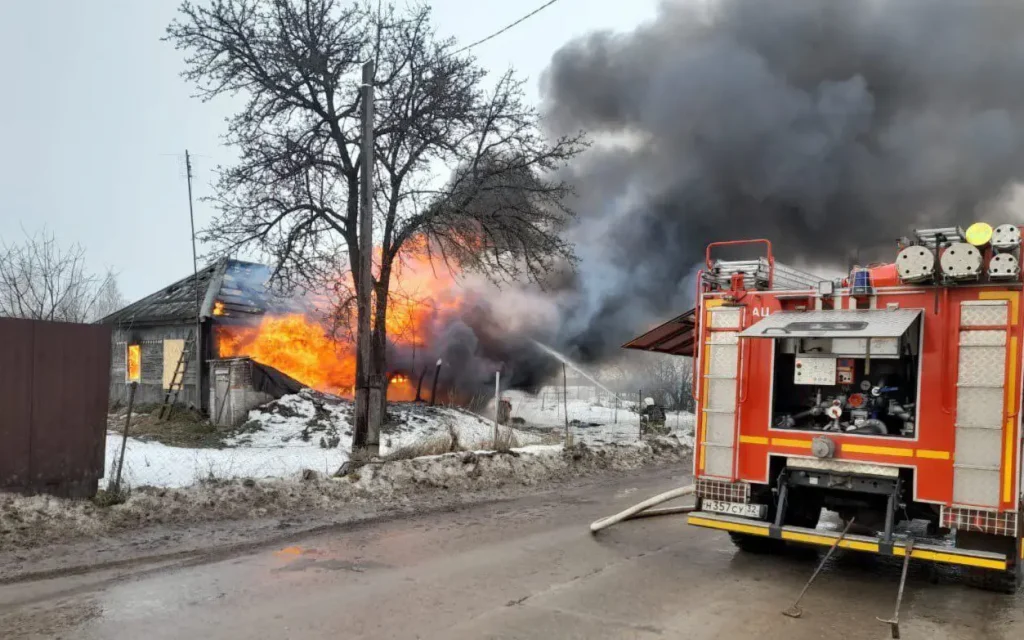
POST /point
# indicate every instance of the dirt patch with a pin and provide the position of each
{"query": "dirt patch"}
(40, 520)
(184, 428)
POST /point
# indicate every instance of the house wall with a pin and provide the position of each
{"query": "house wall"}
(152, 386)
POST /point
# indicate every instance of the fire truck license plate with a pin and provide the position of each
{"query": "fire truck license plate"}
(734, 508)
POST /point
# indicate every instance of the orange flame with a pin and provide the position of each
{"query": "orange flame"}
(218, 308)
(401, 389)
(300, 347)
(296, 346)
(134, 362)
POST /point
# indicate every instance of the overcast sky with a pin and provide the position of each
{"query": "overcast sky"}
(95, 119)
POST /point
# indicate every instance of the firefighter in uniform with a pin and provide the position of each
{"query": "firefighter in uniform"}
(653, 418)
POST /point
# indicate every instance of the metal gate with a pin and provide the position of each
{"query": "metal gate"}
(54, 389)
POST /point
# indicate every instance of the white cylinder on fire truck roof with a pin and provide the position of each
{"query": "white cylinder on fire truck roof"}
(1006, 237)
(961, 261)
(915, 263)
(1003, 266)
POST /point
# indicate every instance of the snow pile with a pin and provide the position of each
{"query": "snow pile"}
(467, 471)
(307, 430)
(37, 520)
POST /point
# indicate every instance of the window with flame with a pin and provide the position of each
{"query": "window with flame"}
(133, 363)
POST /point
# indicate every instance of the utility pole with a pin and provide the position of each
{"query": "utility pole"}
(497, 407)
(365, 441)
(419, 385)
(565, 405)
(433, 388)
(195, 275)
(640, 411)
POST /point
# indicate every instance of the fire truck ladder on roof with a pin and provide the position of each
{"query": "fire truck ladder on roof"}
(760, 274)
(178, 379)
(934, 237)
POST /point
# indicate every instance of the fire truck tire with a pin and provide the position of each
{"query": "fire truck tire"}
(1009, 581)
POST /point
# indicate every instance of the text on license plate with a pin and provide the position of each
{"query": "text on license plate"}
(734, 508)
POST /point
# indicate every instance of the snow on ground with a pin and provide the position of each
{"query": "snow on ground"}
(300, 431)
(158, 465)
(593, 416)
(308, 430)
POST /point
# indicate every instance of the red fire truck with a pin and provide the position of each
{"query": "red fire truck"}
(891, 397)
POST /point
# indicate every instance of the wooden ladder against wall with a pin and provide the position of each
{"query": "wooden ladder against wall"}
(178, 379)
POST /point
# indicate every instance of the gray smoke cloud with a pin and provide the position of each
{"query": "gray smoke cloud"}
(830, 128)
(827, 127)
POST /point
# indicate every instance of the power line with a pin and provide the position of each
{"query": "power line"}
(498, 33)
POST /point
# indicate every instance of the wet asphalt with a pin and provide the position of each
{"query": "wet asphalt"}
(523, 568)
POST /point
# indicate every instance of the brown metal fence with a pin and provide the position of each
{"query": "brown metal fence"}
(54, 386)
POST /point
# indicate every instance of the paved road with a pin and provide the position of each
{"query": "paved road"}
(526, 568)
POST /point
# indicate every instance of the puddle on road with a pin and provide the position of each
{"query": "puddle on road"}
(356, 566)
(300, 559)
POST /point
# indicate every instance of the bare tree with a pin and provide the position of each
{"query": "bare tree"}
(667, 378)
(294, 193)
(108, 298)
(41, 280)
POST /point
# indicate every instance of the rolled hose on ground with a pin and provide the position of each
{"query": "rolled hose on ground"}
(641, 510)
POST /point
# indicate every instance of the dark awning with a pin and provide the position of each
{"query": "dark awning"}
(676, 336)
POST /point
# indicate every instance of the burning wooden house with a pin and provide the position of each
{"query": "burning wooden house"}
(253, 345)
(157, 341)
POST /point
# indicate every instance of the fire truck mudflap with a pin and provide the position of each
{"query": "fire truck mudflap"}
(890, 398)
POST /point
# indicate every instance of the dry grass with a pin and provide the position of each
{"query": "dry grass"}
(552, 437)
(506, 440)
(109, 497)
(184, 428)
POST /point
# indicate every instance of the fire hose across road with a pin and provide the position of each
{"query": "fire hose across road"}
(643, 509)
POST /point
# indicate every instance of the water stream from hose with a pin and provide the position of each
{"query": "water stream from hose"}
(572, 365)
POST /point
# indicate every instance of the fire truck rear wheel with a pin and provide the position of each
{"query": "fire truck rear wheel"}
(1008, 581)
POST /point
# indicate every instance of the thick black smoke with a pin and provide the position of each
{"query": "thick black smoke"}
(831, 128)
(827, 127)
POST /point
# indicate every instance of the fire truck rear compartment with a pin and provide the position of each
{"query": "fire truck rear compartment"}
(878, 503)
(831, 384)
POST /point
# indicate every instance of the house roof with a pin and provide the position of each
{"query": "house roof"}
(234, 286)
